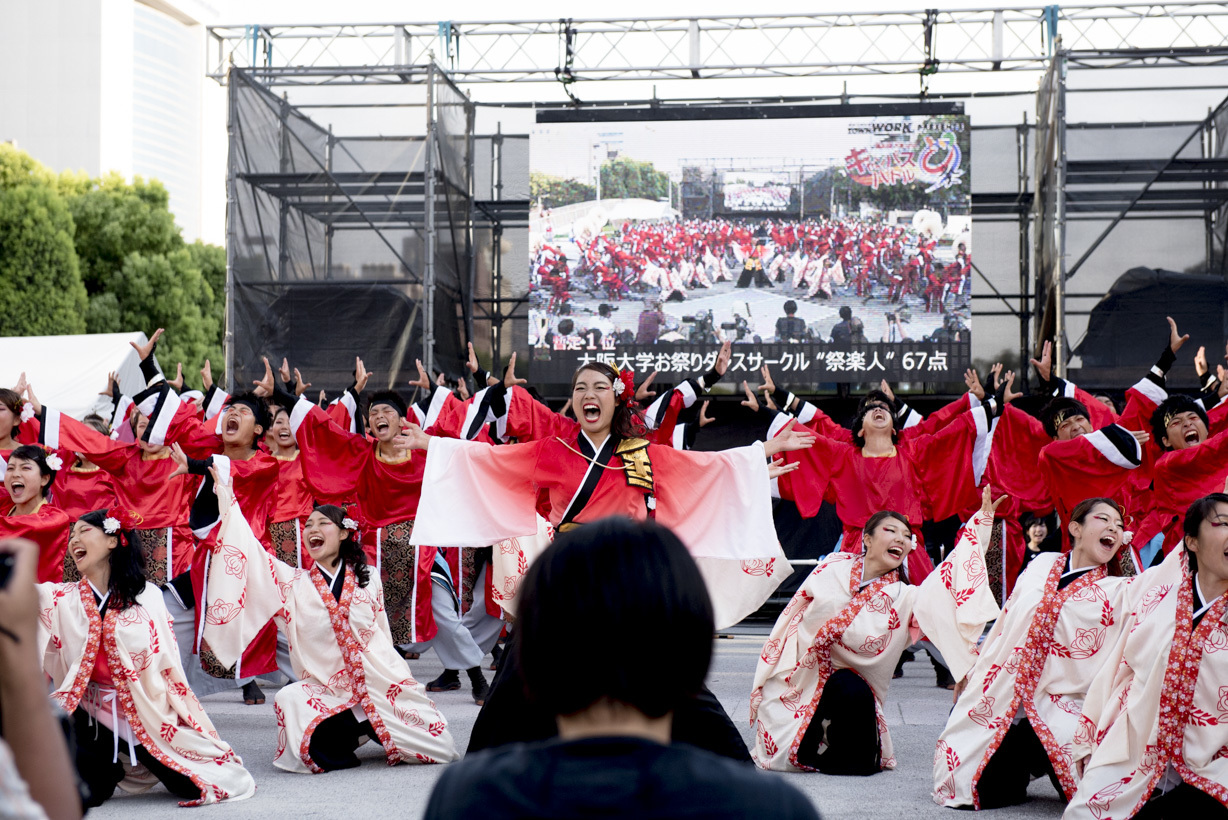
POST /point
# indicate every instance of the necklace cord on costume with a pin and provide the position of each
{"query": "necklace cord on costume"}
(592, 460)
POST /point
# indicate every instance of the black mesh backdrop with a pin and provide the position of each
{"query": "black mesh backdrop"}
(328, 246)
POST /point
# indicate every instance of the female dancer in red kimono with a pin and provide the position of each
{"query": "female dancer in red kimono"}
(28, 480)
(925, 476)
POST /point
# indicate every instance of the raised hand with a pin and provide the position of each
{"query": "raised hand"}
(704, 418)
(411, 438)
(472, 363)
(795, 438)
(1008, 393)
(323, 399)
(642, 392)
(441, 380)
(177, 382)
(264, 386)
(20, 387)
(1200, 362)
(217, 480)
(181, 462)
(509, 375)
(463, 389)
(1141, 436)
(995, 371)
(424, 379)
(750, 400)
(33, 399)
(206, 376)
(1175, 339)
(973, 383)
(147, 349)
(988, 505)
(777, 467)
(361, 375)
(112, 389)
(300, 386)
(566, 408)
(723, 357)
(1044, 365)
(284, 370)
(886, 388)
(768, 386)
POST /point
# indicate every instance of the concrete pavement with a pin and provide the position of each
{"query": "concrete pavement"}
(916, 712)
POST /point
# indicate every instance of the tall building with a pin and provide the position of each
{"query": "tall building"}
(114, 85)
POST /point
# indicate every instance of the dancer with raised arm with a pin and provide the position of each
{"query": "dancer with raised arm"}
(1020, 694)
(822, 678)
(1153, 737)
(353, 685)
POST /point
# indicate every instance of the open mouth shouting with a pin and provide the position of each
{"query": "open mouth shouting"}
(315, 541)
(17, 488)
(231, 426)
(78, 553)
(591, 411)
(1191, 437)
(897, 552)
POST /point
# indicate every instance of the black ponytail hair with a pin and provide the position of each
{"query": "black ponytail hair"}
(127, 562)
(351, 551)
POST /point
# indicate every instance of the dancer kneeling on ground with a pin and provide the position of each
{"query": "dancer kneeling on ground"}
(1153, 737)
(1018, 713)
(817, 698)
(353, 685)
(107, 645)
(612, 757)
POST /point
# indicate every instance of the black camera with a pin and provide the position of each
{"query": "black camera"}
(7, 562)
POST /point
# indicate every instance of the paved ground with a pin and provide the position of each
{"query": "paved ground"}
(916, 713)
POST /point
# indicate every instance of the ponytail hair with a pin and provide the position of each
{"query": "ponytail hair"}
(351, 551)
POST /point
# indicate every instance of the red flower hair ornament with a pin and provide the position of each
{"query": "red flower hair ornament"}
(624, 387)
(119, 521)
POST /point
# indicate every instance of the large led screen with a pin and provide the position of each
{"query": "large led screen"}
(833, 244)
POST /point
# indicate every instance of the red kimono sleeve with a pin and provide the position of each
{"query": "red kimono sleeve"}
(344, 411)
(943, 463)
(333, 458)
(1218, 418)
(61, 431)
(199, 439)
(49, 528)
(940, 418)
(820, 464)
(1017, 442)
(1095, 465)
(822, 425)
(527, 419)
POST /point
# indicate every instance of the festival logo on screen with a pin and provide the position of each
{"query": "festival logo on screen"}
(828, 248)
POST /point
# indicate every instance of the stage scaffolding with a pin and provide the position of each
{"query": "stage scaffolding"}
(1050, 193)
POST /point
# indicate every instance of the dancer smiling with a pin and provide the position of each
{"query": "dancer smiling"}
(354, 686)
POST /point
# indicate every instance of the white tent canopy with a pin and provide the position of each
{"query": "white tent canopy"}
(66, 372)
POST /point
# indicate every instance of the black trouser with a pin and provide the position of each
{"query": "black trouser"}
(845, 718)
(510, 717)
(335, 740)
(1020, 757)
(757, 276)
(101, 773)
(1183, 803)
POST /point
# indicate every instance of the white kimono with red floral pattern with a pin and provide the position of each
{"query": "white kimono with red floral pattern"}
(833, 623)
(1161, 699)
(151, 690)
(341, 650)
(1039, 660)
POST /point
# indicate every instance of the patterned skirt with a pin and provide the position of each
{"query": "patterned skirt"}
(286, 537)
(399, 574)
(153, 542)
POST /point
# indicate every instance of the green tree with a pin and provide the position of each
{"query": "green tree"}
(166, 290)
(626, 178)
(40, 286)
(555, 192)
(115, 218)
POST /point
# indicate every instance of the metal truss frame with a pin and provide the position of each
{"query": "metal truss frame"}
(722, 47)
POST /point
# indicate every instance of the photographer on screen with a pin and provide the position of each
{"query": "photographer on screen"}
(791, 328)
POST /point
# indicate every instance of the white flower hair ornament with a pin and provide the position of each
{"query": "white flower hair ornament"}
(1127, 537)
(55, 462)
(110, 526)
(27, 412)
(349, 523)
(619, 388)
